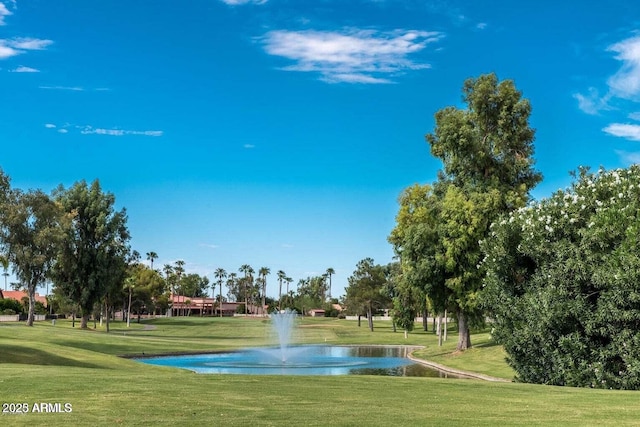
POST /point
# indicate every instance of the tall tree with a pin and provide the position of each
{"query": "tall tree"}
(365, 289)
(220, 274)
(281, 277)
(92, 256)
(234, 293)
(264, 272)
(330, 272)
(178, 270)
(152, 256)
(486, 151)
(248, 271)
(31, 229)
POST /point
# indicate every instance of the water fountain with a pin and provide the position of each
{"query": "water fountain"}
(288, 359)
(283, 324)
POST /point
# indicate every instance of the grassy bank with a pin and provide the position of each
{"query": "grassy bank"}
(60, 364)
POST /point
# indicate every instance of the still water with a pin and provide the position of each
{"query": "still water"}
(304, 360)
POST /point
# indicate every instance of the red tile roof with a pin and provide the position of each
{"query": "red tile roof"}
(18, 295)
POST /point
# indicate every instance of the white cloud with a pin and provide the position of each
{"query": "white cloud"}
(625, 83)
(628, 158)
(23, 69)
(71, 88)
(208, 245)
(624, 130)
(7, 52)
(481, 25)
(634, 116)
(26, 43)
(89, 130)
(592, 103)
(13, 47)
(4, 12)
(239, 2)
(351, 55)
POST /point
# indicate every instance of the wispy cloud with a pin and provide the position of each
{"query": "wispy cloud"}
(625, 83)
(628, 158)
(623, 87)
(208, 245)
(239, 2)
(27, 43)
(351, 55)
(88, 130)
(17, 46)
(23, 69)
(71, 88)
(624, 130)
(248, 146)
(481, 25)
(3, 13)
(592, 103)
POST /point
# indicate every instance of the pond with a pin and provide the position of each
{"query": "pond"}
(304, 360)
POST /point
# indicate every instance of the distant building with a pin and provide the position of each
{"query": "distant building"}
(316, 312)
(19, 295)
(181, 304)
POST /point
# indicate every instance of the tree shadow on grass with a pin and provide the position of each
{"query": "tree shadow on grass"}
(32, 356)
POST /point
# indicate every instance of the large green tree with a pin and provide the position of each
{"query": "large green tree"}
(365, 291)
(563, 284)
(30, 231)
(92, 258)
(486, 150)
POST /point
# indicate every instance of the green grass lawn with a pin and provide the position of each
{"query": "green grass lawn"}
(60, 364)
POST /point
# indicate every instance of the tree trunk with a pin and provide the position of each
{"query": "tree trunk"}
(370, 318)
(358, 320)
(32, 305)
(445, 324)
(425, 318)
(106, 310)
(85, 321)
(464, 337)
(406, 334)
(439, 331)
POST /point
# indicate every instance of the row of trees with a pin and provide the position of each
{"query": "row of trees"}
(559, 278)
(74, 237)
(486, 150)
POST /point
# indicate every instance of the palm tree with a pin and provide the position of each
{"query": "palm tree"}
(220, 274)
(179, 269)
(330, 271)
(168, 273)
(289, 299)
(263, 272)
(152, 256)
(281, 277)
(248, 276)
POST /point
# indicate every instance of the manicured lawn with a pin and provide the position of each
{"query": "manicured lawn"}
(60, 364)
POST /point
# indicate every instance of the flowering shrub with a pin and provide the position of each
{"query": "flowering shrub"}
(563, 283)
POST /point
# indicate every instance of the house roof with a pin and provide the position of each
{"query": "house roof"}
(18, 295)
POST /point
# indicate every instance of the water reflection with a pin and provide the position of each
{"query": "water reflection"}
(305, 360)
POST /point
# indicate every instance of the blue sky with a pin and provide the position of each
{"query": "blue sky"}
(280, 133)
